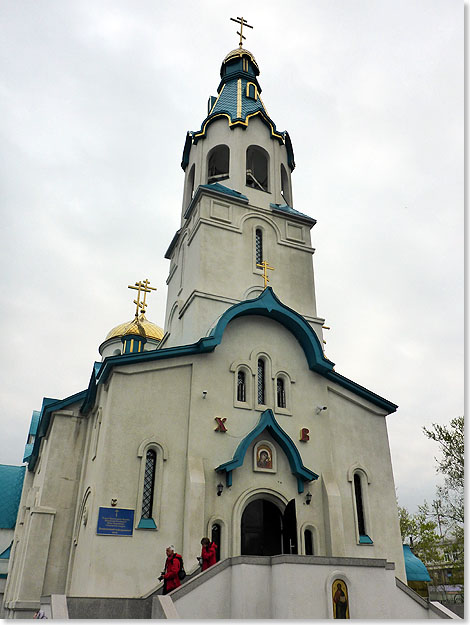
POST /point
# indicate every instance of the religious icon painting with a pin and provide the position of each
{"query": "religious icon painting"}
(340, 599)
(264, 457)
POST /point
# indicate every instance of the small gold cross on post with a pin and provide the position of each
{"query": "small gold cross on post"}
(141, 287)
(242, 23)
(265, 266)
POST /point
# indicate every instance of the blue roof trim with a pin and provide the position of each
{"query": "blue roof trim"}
(290, 152)
(49, 406)
(171, 247)
(204, 345)
(33, 427)
(238, 121)
(28, 450)
(268, 422)
(11, 486)
(186, 150)
(268, 305)
(414, 568)
(216, 186)
(91, 391)
(361, 391)
(214, 189)
(285, 208)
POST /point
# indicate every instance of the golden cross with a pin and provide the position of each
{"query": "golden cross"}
(242, 23)
(265, 266)
(141, 287)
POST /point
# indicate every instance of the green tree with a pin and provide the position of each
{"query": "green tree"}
(419, 531)
(448, 507)
(449, 504)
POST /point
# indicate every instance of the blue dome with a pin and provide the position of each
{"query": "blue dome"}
(415, 569)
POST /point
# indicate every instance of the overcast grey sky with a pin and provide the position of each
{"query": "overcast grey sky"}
(96, 98)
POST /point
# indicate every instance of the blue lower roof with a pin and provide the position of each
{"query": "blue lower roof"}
(11, 485)
(415, 569)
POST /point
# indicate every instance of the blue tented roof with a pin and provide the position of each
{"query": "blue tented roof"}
(415, 569)
(11, 485)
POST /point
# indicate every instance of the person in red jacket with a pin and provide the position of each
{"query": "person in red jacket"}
(208, 553)
(169, 575)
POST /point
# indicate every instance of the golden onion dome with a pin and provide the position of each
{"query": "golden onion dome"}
(142, 326)
(240, 52)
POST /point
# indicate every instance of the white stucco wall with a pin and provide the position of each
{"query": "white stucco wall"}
(163, 401)
(213, 264)
(293, 590)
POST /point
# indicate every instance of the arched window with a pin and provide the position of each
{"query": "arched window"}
(152, 455)
(218, 164)
(182, 254)
(280, 393)
(251, 91)
(359, 505)
(216, 536)
(149, 484)
(308, 535)
(257, 168)
(259, 245)
(261, 382)
(285, 187)
(241, 386)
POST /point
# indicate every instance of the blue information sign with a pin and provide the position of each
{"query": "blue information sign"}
(115, 522)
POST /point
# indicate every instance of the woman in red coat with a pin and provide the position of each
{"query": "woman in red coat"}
(208, 553)
(172, 567)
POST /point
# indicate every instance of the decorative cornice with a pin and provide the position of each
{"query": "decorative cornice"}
(217, 190)
(53, 405)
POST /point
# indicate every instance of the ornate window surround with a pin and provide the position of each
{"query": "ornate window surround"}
(235, 367)
(161, 451)
(288, 381)
(224, 533)
(315, 538)
(364, 476)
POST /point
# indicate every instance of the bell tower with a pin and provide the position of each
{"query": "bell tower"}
(237, 213)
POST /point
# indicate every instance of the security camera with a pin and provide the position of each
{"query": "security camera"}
(320, 408)
(204, 393)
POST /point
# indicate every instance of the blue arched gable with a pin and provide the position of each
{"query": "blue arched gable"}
(269, 423)
(267, 304)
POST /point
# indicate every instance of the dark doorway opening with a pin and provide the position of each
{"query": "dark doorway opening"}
(289, 534)
(265, 531)
(215, 537)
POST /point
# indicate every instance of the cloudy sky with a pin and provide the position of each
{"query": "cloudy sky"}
(96, 97)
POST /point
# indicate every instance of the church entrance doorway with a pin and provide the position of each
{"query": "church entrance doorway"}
(265, 531)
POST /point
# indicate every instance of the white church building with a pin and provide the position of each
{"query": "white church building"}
(229, 423)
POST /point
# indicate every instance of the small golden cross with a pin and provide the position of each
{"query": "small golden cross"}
(141, 287)
(265, 266)
(242, 23)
